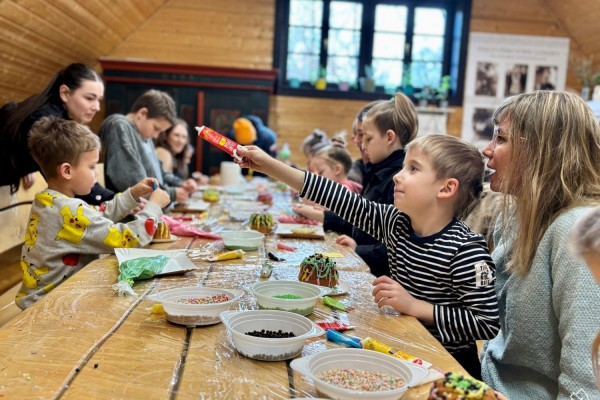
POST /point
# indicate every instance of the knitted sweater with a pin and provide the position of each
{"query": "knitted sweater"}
(548, 321)
(129, 158)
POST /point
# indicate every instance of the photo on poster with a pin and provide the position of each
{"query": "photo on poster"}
(546, 77)
(486, 81)
(478, 128)
(516, 79)
(482, 126)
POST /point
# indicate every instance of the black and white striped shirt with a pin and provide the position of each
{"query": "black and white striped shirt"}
(452, 269)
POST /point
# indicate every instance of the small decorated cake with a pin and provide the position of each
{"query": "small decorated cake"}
(318, 270)
(162, 231)
(210, 195)
(459, 387)
(262, 222)
(265, 198)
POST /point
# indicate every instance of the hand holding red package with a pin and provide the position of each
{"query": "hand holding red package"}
(180, 228)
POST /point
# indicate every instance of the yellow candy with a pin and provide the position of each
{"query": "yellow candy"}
(158, 309)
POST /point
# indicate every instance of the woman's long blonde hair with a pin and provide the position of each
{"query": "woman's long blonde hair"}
(554, 164)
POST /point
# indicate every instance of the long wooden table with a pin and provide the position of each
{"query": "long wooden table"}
(84, 341)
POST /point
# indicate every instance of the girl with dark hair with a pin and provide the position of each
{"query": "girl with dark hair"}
(74, 93)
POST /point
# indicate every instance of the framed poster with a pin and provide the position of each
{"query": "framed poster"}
(500, 66)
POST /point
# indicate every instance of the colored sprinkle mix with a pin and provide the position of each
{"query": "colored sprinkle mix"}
(357, 379)
(288, 296)
(217, 298)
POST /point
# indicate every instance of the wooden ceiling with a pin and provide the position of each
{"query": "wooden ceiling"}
(39, 37)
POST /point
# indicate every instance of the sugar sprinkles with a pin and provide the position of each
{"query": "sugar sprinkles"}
(214, 299)
(357, 379)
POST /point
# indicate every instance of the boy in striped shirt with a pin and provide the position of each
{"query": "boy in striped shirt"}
(441, 271)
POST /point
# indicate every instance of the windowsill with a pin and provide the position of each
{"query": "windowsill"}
(333, 93)
(352, 94)
(434, 110)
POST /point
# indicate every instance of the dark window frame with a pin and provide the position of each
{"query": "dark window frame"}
(454, 64)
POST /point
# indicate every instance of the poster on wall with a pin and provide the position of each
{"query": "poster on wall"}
(500, 66)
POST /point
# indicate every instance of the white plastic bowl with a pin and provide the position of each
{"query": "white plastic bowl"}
(264, 292)
(361, 359)
(269, 349)
(245, 240)
(194, 314)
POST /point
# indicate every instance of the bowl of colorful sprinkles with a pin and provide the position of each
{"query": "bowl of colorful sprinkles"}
(194, 306)
(359, 374)
(294, 296)
(269, 335)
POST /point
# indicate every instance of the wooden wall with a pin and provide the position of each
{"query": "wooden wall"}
(38, 37)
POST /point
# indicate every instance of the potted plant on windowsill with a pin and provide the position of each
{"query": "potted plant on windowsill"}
(367, 83)
(321, 82)
(442, 92)
(423, 97)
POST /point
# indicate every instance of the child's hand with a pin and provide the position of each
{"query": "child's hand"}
(309, 212)
(144, 187)
(347, 241)
(190, 185)
(139, 208)
(255, 158)
(181, 195)
(160, 197)
(388, 292)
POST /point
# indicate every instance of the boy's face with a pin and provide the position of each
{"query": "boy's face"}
(376, 145)
(150, 127)
(83, 174)
(358, 135)
(416, 186)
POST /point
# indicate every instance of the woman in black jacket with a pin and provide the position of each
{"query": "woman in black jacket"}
(74, 93)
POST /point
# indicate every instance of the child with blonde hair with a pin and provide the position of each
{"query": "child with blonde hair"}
(334, 163)
(440, 271)
(65, 233)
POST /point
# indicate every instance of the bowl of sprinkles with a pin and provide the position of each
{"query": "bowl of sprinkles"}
(294, 296)
(269, 335)
(359, 374)
(195, 306)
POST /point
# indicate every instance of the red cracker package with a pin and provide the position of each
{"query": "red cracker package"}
(216, 139)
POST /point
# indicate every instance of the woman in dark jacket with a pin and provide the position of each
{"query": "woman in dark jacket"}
(74, 93)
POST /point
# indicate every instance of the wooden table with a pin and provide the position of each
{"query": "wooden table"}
(83, 341)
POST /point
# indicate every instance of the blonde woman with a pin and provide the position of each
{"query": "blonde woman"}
(545, 154)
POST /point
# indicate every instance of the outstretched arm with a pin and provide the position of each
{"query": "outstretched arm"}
(253, 157)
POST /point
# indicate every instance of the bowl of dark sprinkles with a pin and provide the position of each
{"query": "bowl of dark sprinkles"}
(195, 306)
(269, 335)
(294, 296)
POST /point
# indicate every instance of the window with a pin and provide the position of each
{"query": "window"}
(370, 47)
